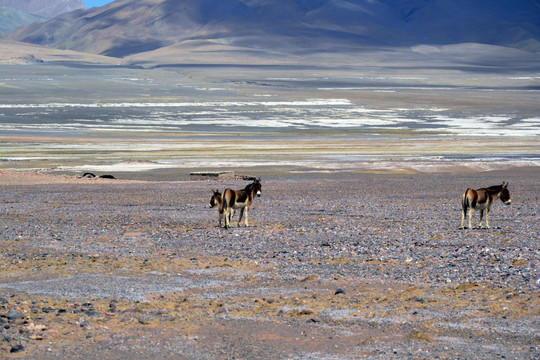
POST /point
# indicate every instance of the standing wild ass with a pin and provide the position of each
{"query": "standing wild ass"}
(217, 200)
(240, 199)
(481, 200)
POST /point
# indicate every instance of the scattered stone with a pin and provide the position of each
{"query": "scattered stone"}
(144, 320)
(222, 311)
(17, 348)
(84, 323)
(33, 327)
(311, 277)
(92, 313)
(112, 306)
(14, 314)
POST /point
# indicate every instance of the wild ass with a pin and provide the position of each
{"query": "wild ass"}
(217, 200)
(481, 200)
(240, 199)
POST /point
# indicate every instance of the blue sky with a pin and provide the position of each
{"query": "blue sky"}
(92, 3)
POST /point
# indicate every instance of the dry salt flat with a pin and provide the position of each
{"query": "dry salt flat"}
(341, 265)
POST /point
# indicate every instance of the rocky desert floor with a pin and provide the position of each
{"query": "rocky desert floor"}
(333, 266)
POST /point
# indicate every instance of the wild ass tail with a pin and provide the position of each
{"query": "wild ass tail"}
(465, 203)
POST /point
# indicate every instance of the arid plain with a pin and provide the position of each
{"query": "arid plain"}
(354, 251)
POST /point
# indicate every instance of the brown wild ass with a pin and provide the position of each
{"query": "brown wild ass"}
(217, 200)
(481, 200)
(240, 199)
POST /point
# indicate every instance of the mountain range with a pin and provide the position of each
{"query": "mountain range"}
(19, 13)
(131, 27)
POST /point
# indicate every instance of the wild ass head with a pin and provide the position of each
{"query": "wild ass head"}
(505, 194)
(215, 200)
(257, 187)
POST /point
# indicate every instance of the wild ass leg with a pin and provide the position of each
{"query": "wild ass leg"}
(487, 218)
(463, 214)
(241, 215)
(226, 213)
(222, 218)
(231, 215)
(481, 217)
(470, 218)
(247, 214)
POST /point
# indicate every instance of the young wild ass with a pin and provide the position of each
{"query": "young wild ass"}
(217, 200)
(240, 199)
(481, 200)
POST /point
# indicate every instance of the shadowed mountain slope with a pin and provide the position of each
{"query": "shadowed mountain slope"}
(128, 27)
(18, 13)
(47, 9)
(11, 19)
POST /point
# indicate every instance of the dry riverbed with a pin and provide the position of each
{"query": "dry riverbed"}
(334, 266)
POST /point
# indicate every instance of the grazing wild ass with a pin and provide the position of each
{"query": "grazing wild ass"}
(481, 200)
(240, 199)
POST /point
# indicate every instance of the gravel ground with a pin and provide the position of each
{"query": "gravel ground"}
(334, 266)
